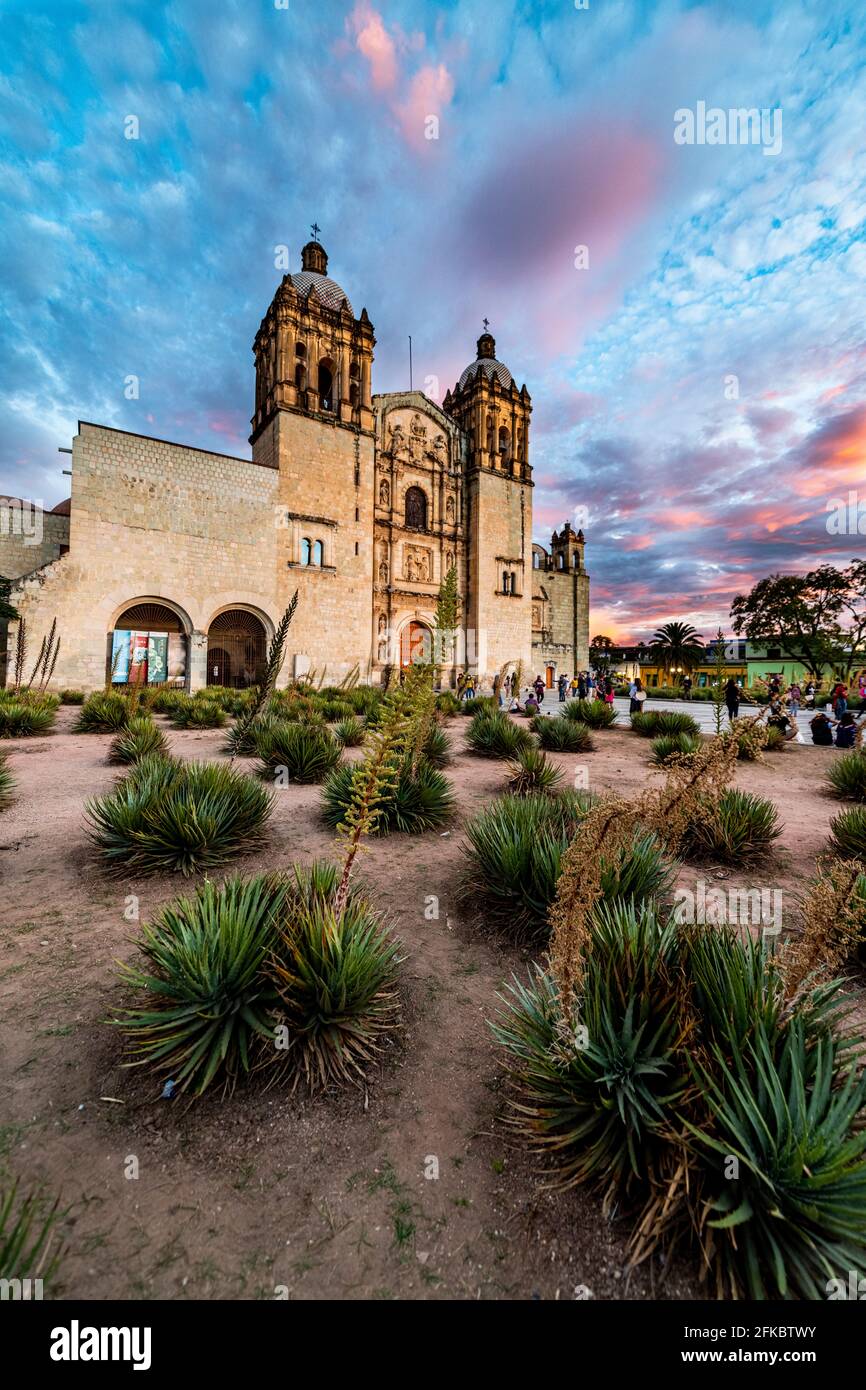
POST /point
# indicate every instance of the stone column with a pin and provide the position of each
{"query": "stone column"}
(197, 667)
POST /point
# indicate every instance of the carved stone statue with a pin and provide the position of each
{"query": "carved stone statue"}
(385, 493)
(450, 512)
(440, 449)
(397, 442)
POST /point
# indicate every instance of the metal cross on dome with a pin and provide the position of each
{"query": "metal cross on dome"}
(315, 229)
(486, 323)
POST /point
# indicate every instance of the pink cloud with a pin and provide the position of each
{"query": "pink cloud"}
(375, 43)
(430, 91)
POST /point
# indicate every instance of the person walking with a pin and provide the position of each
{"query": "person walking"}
(581, 686)
(732, 699)
(810, 695)
(575, 686)
(632, 703)
(608, 692)
(562, 683)
(538, 686)
(839, 699)
(687, 687)
(590, 686)
(795, 695)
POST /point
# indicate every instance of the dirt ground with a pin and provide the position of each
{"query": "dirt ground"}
(334, 1198)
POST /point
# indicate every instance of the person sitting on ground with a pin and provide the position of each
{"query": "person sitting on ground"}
(530, 704)
(846, 731)
(822, 730)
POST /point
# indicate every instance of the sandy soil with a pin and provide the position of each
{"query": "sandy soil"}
(328, 1198)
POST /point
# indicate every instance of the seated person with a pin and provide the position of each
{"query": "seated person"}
(822, 730)
(846, 730)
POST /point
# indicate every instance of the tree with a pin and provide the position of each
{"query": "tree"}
(600, 649)
(8, 614)
(818, 618)
(676, 647)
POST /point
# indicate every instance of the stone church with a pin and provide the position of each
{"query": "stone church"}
(173, 564)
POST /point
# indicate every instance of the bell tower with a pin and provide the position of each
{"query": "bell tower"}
(494, 414)
(312, 354)
(314, 423)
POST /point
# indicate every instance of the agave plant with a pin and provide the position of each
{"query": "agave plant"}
(139, 739)
(447, 703)
(335, 973)
(652, 723)
(436, 749)
(494, 735)
(25, 719)
(334, 710)
(170, 816)
(560, 735)
(7, 783)
(349, 733)
(479, 704)
(104, 713)
(532, 771)
(792, 1215)
(847, 775)
(595, 714)
(299, 752)
(72, 697)
(241, 738)
(29, 1243)
(669, 745)
(199, 714)
(742, 829)
(207, 1001)
(168, 701)
(595, 1091)
(848, 834)
(412, 804)
(514, 856)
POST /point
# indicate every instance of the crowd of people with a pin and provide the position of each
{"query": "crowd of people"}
(836, 725)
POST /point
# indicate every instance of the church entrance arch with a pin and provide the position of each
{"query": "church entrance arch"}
(149, 645)
(236, 649)
(416, 644)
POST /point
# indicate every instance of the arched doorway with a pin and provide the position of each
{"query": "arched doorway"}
(236, 649)
(416, 644)
(551, 676)
(148, 646)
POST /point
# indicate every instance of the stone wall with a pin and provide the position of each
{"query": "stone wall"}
(157, 521)
(29, 537)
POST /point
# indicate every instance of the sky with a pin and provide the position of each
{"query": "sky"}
(687, 317)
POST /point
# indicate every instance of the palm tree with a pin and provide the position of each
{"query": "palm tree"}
(677, 647)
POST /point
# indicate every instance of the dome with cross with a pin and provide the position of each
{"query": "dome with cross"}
(485, 360)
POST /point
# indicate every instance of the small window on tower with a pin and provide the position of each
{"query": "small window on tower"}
(560, 561)
(306, 551)
(318, 554)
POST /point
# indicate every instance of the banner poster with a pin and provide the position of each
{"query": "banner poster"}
(138, 658)
(157, 657)
(176, 657)
(120, 657)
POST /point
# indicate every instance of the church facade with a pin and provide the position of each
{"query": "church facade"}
(174, 564)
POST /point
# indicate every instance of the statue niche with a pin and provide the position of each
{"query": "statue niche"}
(384, 493)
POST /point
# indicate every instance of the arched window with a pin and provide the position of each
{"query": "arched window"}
(300, 350)
(318, 554)
(416, 509)
(536, 560)
(301, 376)
(326, 384)
(575, 560)
(505, 441)
(306, 551)
(560, 561)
